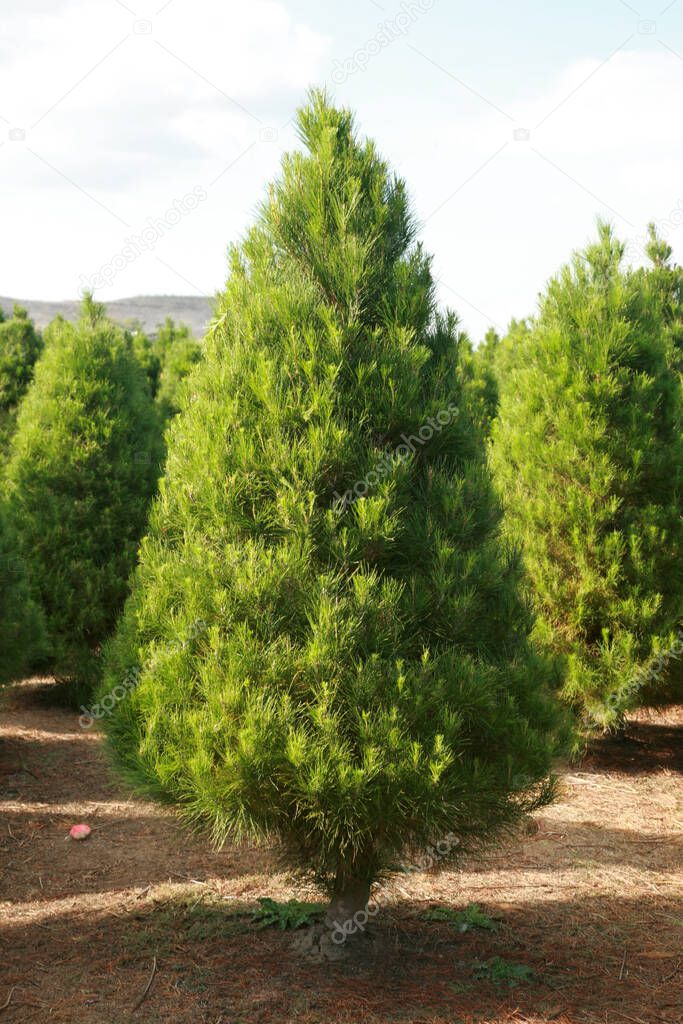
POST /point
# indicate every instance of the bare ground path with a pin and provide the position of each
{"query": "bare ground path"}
(591, 900)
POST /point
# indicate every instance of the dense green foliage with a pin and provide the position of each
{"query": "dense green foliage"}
(83, 466)
(166, 360)
(663, 283)
(177, 352)
(478, 372)
(22, 630)
(142, 347)
(588, 453)
(331, 645)
(20, 347)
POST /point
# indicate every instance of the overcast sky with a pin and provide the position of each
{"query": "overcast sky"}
(136, 137)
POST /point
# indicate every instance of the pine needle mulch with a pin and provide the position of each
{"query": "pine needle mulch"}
(144, 923)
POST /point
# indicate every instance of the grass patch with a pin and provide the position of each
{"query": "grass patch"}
(503, 972)
(292, 914)
(464, 920)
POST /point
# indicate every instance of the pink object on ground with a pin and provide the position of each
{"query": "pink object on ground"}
(79, 831)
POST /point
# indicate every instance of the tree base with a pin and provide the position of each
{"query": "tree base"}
(322, 944)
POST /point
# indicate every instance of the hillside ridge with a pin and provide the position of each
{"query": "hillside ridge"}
(149, 310)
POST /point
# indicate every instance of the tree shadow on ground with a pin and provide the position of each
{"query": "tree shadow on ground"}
(589, 958)
(561, 845)
(53, 775)
(85, 948)
(646, 747)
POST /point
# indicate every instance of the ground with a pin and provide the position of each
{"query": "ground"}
(145, 922)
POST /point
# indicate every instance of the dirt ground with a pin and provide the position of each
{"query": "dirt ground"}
(590, 898)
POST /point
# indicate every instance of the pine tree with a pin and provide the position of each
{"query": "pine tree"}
(478, 370)
(166, 359)
(588, 454)
(22, 629)
(82, 469)
(325, 627)
(482, 367)
(20, 347)
(663, 281)
(177, 352)
(662, 682)
(143, 348)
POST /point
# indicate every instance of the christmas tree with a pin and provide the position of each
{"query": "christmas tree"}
(22, 629)
(20, 347)
(331, 647)
(83, 466)
(587, 451)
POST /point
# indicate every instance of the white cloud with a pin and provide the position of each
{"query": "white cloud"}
(611, 149)
(124, 113)
(193, 101)
(95, 80)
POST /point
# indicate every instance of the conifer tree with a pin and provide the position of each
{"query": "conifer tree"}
(82, 469)
(143, 348)
(479, 378)
(166, 360)
(177, 352)
(481, 368)
(588, 454)
(20, 347)
(662, 681)
(22, 629)
(325, 627)
(663, 281)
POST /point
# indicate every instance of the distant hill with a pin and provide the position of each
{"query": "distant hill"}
(149, 310)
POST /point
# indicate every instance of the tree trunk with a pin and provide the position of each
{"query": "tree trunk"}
(345, 922)
(347, 916)
(349, 905)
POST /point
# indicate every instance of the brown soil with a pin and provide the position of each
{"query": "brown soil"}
(590, 898)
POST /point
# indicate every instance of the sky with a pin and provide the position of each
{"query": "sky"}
(137, 138)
